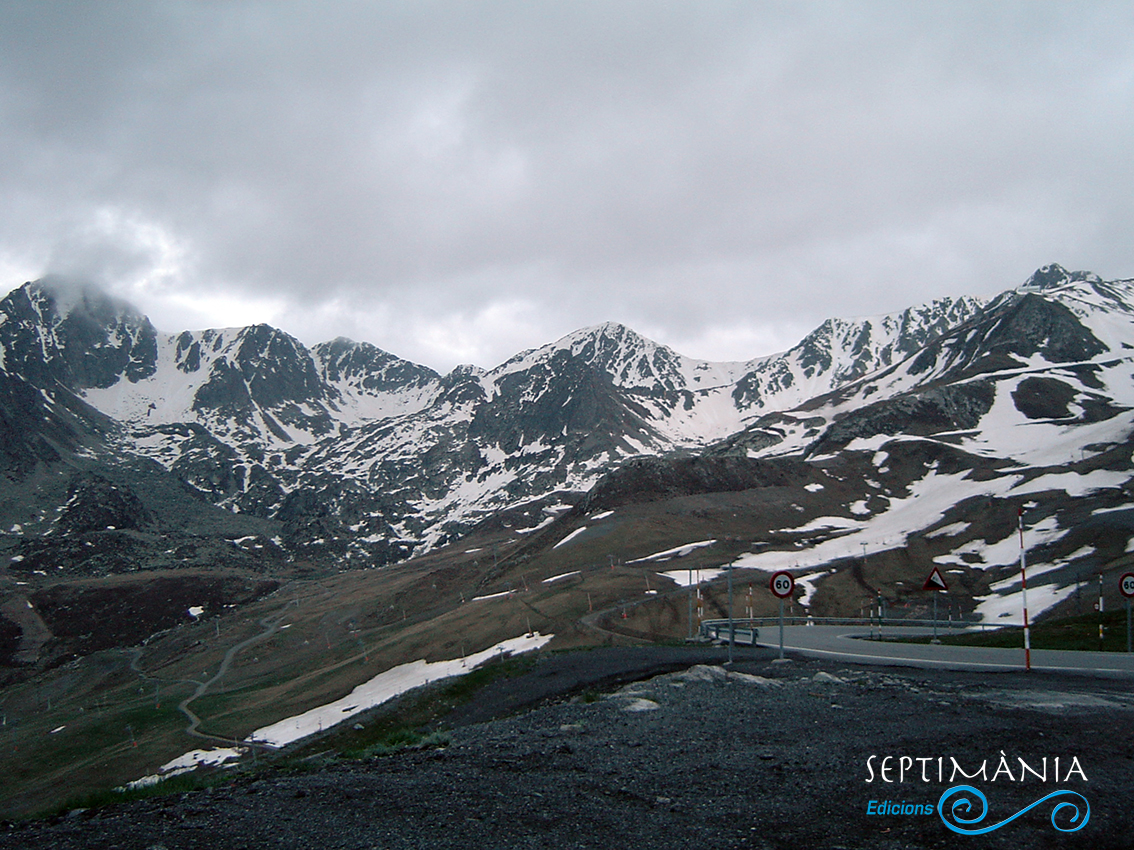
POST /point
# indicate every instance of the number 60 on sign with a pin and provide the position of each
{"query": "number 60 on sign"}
(782, 584)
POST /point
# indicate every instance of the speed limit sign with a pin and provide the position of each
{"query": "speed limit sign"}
(1126, 585)
(782, 584)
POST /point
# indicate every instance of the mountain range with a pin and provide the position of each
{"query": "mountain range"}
(210, 532)
(123, 447)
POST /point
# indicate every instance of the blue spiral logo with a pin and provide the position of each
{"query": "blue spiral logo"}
(962, 807)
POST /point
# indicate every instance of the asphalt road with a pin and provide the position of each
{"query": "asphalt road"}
(852, 644)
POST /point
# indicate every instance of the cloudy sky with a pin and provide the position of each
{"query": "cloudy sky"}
(457, 181)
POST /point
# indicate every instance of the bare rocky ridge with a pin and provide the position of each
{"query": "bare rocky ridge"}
(244, 418)
(348, 457)
(763, 755)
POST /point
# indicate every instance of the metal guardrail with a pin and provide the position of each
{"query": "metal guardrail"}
(741, 635)
(717, 629)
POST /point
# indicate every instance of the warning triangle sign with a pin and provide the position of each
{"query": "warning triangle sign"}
(935, 581)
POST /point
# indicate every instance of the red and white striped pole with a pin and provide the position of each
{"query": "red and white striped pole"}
(1024, 583)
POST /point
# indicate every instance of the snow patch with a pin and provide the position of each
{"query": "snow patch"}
(684, 579)
(188, 762)
(385, 686)
(500, 595)
(570, 537)
(676, 552)
(951, 530)
(1008, 609)
(808, 582)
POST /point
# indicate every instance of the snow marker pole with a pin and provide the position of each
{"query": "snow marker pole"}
(1024, 599)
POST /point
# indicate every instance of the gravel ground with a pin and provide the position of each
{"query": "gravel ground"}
(761, 755)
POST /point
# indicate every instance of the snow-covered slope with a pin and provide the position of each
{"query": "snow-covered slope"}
(1028, 404)
(361, 458)
(371, 383)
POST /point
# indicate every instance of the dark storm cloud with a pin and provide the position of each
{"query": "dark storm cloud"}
(454, 181)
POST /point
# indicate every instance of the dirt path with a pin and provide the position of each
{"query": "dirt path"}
(270, 625)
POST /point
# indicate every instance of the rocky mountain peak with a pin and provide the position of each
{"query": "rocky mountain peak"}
(276, 367)
(605, 344)
(345, 358)
(1048, 277)
(57, 298)
(76, 334)
(464, 372)
(462, 385)
(1054, 275)
(627, 357)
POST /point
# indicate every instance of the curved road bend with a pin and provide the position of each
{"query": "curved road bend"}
(270, 624)
(851, 644)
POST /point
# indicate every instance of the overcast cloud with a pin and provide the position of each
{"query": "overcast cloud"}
(457, 181)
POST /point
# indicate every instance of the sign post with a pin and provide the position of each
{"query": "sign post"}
(782, 585)
(1126, 588)
(935, 582)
